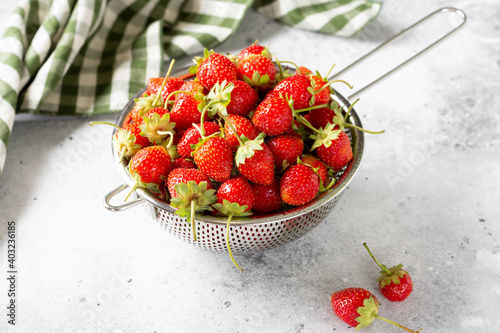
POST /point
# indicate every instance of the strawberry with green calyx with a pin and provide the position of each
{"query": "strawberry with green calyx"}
(254, 49)
(254, 160)
(149, 167)
(157, 125)
(395, 283)
(191, 192)
(193, 135)
(320, 169)
(267, 198)
(184, 163)
(273, 116)
(127, 140)
(286, 149)
(234, 198)
(218, 98)
(358, 308)
(148, 102)
(243, 127)
(243, 99)
(299, 185)
(214, 156)
(212, 68)
(257, 70)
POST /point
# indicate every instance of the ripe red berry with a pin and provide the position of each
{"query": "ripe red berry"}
(216, 68)
(286, 149)
(273, 116)
(215, 158)
(299, 185)
(394, 283)
(267, 198)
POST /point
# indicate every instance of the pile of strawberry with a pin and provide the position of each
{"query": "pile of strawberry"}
(237, 135)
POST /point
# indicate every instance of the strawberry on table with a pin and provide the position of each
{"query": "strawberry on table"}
(358, 308)
(192, 192)
(394, 283)
(299, 185)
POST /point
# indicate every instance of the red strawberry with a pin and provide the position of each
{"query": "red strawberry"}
(243, 126)
(191, 192)
(127, 140)
(358, 308)
(319, 118)
(149, 167)
(254, 160)
(215, 68)
(321, 96)
(157, 126)
(151, 164)
(257, 70)
(267, 198)
(273, 116)
(395, 283)
(236, 190)
(243, 98)
(191, 88)
(254, 49)
(286, 149)
(316, 163)
(184, 163)
(172, 84)
(183, 175)
(299, 185)
(214, 157)
(185, 112)
(192, 136)
(336, 154)
(234, 198)
(346, 302)
(296, 87)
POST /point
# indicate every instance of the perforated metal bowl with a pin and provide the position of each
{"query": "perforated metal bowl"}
(247, 234)
(258, 233)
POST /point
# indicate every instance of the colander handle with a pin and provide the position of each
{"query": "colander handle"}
(456, 11)
(115, 208)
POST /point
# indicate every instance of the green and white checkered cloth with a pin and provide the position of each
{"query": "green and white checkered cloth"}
(87, 57)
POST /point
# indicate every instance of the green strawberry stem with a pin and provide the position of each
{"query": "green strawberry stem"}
(306, 122)
(279, 67)
(383, 267)
(311, 108)
(192, 218)
(292, 63)
(202, 118)
(92, 123)
(165, 106)
(230, 216)
(330, 70)
(328, 84)
(343, 122)
(396, 324)
(135, 187)
(233, 129)
(170, 134)
(164, 82)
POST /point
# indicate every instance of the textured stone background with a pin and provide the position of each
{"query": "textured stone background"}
(426, 195)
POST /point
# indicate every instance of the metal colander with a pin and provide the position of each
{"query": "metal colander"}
(261, 232)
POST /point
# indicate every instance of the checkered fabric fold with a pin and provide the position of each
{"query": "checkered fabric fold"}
(70, 57)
